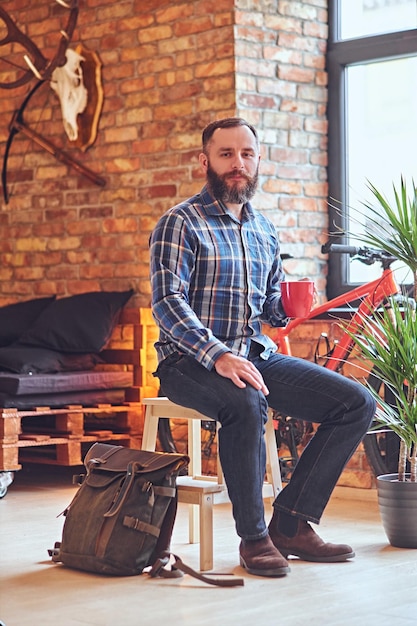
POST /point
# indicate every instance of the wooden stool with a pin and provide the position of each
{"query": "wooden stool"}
(196, 489)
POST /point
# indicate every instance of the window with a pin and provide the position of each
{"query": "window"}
(372, 64)
(360, 18)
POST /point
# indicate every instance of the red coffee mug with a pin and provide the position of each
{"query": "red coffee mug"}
(297, 297)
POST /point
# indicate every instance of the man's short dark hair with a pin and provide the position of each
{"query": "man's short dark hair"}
(227, 122)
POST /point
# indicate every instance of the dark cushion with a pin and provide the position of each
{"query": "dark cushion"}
(34, 360)
(62, 382)
(80, 323)
(16, 318)
(56, 400)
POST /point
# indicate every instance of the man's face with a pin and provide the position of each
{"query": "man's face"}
(232, 164)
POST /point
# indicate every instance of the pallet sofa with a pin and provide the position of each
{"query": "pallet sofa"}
(74, 373)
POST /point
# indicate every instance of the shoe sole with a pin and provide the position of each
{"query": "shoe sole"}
(337, 558)
(276, 572)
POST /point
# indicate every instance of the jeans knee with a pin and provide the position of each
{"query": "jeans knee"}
(366, 404)
(246, 408)
(371, 407)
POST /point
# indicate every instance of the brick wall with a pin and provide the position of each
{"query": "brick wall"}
(168, 68)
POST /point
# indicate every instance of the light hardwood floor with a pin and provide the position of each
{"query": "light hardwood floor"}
(379, 587)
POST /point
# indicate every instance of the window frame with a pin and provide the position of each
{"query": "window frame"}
(340, 55)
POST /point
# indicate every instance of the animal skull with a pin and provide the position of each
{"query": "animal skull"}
(67, 82)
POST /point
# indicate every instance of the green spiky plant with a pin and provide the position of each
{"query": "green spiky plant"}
(389, 342)
(389, 339)
(393, 226)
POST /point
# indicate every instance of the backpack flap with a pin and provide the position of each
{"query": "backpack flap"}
(116, 459)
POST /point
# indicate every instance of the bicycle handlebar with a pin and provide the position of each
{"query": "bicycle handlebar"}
(340, 248)
(364, 254)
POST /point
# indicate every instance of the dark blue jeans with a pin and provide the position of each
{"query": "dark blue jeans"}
(342, 408)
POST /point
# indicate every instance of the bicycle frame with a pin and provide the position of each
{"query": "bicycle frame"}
(371, 294)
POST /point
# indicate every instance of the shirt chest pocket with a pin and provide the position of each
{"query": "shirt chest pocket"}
(221, 262)
(260, 257)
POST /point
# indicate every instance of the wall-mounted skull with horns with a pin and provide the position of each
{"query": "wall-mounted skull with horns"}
(67, 82)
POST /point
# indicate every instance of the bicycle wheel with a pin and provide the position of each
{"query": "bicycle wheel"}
(292, 436)
(382, 446)
(165, 435)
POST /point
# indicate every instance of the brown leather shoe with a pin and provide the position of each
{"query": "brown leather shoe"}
(261, 558)
(307, 545)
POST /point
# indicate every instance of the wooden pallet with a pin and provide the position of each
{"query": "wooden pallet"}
(70, 429)
(66, 451)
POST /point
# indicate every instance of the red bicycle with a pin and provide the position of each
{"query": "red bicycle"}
(381, 445)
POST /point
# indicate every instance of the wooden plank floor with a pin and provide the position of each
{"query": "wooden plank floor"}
(378, 588)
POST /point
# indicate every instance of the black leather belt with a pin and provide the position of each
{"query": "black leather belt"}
(255, 350)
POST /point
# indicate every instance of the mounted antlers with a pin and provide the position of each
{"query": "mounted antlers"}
(42, 69)
(38, 65)
(18, 124)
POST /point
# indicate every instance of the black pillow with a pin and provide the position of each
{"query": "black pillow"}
(16, 318)
(81, 323)
(27, 360)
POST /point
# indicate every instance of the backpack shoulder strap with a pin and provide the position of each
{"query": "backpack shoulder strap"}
(179, 568)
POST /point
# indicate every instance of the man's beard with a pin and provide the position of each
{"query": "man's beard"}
(231, 194)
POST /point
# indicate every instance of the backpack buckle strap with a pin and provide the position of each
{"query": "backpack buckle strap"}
(54, 552)
(123, 491)
(158, 569)
(170, 492)
(142, 527)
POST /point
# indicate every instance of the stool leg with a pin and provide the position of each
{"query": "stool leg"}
(194, 469)
(194, 523)
(220, 475)
(194, 447)
(150, 430)
(273, 471)
(206, 532)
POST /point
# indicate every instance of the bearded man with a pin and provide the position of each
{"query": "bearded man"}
(215, 273)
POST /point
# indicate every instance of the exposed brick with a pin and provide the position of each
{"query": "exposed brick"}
(283, 186)
(298, 9)
(121, 134)
(149, 146)
(218, 103)
(213, 69)
(119, 225)
(31, 245)
(296, 74)
(315, 29)
(172, 14)
(101, 271)
(279, 24)
(287, 40)
(195, 25)
(155, 33)
(158, 191)
(290, 155)
(316, 189)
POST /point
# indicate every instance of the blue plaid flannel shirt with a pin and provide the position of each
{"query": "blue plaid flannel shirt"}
(215, 280)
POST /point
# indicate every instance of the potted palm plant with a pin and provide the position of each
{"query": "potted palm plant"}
(388, 344)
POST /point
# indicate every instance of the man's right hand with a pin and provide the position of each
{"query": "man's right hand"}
(240, 371)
